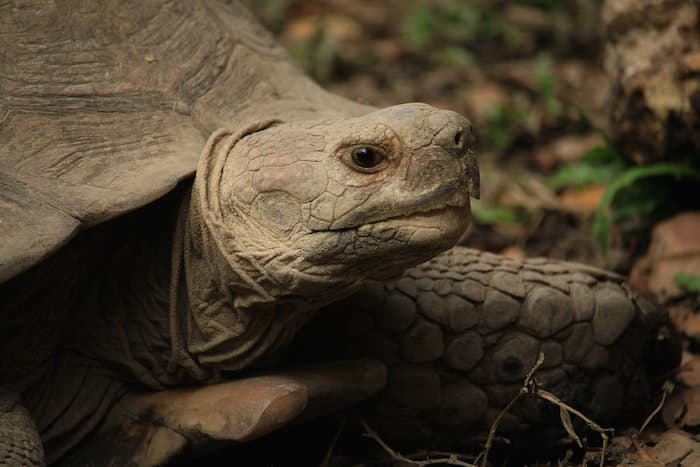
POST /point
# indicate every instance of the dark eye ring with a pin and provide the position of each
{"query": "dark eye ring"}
(366, 157)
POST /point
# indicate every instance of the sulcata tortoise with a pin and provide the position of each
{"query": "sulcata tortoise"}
(136, 298)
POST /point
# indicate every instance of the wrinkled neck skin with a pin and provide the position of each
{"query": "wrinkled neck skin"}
(234, 303)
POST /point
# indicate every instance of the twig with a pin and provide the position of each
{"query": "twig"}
(530, 387)
(451, 460)
(494, 426)
(666, 390)
(327, 458)
(548, 396)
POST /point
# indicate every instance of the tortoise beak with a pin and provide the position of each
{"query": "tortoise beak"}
(472, 172)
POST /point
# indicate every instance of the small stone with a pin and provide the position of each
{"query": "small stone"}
(553, 354)
(433, 306)
(461, 314)
(578, 344)
(614, 312)
(499, 310)
(398, 313)
(463, 405)
(583, 300)
(407, 286)
(422, 343)
(424, 284)
(415, 387)
(469, 289)
(464, 352)
(514, 356)
(546, 311)
(508, 283)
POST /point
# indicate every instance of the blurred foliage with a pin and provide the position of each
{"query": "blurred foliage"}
(431, 24)
(503, 124)
(599, 165)
(635, 197)
(688, 282)
(548, 92)
(640, 193)
(484, 213)
(317, 55)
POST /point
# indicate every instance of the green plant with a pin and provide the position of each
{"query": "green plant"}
(599, 165)
(688, 282)
(547, 86)
(485, 213)
(317, 55)
(644, 199)
(438, 25)
(503, 123)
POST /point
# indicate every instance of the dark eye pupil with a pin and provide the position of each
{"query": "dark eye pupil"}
(366, 157)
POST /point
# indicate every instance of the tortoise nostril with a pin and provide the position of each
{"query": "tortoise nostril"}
(458, 139)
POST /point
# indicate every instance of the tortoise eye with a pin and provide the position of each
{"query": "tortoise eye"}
(366, 158)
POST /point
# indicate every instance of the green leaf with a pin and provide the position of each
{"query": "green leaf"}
(601, 223)
(688, 282)
(420, 25)
(546, 83)
(583, 174)
(484, 213)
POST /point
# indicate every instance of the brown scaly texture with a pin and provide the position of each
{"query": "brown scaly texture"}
(20, 444)
(460, 332)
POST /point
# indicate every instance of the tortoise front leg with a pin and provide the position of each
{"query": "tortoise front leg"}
(460, 332)
(162, 427)
(20, 444)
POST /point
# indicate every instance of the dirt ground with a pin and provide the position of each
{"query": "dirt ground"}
(530, 76)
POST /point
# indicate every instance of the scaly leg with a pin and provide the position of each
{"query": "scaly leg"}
(20, 444)
(459, 333)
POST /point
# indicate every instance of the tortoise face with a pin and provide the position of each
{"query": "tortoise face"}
(371, 195)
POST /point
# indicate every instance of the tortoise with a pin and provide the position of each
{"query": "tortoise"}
(178, 199)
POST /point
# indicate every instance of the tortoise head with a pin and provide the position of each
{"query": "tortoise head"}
(344, 199)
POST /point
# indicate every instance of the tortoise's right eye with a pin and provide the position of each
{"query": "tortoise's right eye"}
(366, 159)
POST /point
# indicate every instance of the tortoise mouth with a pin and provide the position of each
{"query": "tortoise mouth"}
(451, 197)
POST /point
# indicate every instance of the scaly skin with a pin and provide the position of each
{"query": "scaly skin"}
(460, 332)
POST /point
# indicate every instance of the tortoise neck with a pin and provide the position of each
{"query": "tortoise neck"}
(209, 329)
